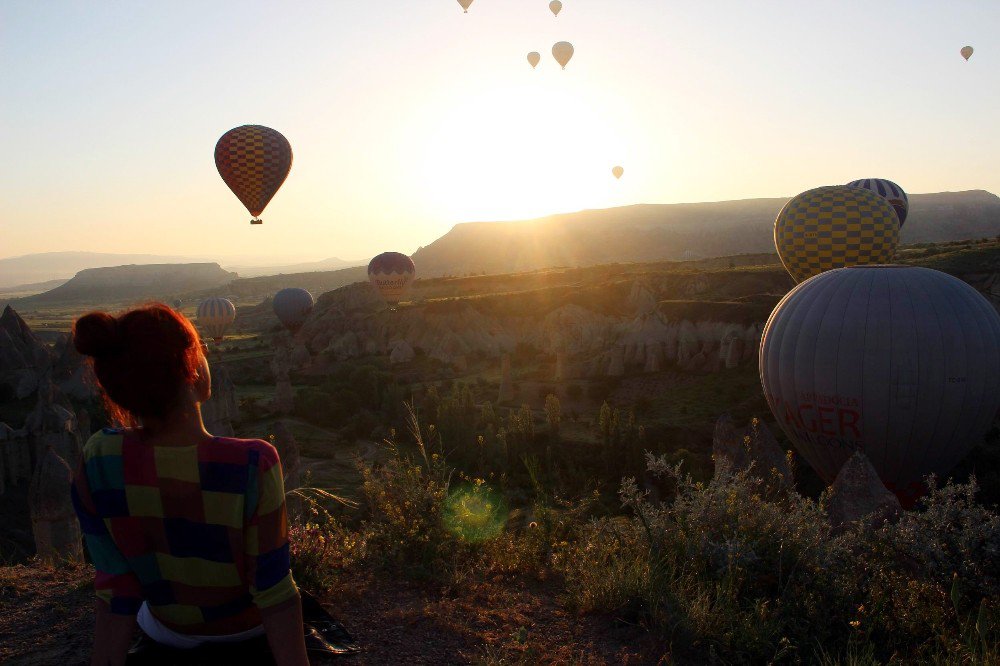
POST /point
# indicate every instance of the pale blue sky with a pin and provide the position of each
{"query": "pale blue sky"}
(407, 116)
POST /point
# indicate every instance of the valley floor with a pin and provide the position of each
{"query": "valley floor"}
(46, 618)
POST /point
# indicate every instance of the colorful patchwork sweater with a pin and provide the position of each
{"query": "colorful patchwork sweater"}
(198, 532)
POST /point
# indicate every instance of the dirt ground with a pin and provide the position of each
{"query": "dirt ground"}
(46, 618)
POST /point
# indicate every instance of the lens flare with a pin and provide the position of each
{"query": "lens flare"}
(474, 513)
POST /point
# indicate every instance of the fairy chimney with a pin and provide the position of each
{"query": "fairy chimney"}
(858, 493)
(220, 410)
(728, 444)
(617, 366)
(53, 521)
(288, 451)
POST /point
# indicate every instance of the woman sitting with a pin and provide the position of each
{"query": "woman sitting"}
(188, 532)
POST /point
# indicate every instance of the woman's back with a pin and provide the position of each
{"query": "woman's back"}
(197, 531)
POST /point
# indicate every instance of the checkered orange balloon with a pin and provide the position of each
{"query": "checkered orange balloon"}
(254, 161)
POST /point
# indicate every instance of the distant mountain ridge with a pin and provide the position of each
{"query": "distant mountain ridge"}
(46, 266)
(657, 232)
(29, 270)
(136, 282)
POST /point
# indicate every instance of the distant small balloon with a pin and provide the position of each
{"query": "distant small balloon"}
(215, 314)
(563, 53)
(618, 171)
(556, 7)
(465, 5)
(967, 52)
(392, 273)
(534, 58)
(292, 305)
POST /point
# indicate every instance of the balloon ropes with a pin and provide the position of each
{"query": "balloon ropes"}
(833, 227)
(563, 53)
(392, 274)
(215, 314)
(889, 191)
(292, 306)
(254, 161)
(901, 363)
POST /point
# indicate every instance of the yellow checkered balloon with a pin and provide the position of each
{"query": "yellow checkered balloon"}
(833, 227)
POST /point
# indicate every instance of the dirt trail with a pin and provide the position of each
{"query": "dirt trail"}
(46, 618)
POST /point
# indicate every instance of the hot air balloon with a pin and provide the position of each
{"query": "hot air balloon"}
(555, 6)
(618, 171)
(292, 305)
(892, 192)
(465, 5)
(254, 161)
(899, 362)
(833, 227)
(562, 52)
(967, 52)
(215, 314)
(392, 273)
(534, 58)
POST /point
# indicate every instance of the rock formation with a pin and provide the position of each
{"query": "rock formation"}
(288, 451)
(53, 521)
(52, 423)
(728, 444)
(641, 298)
(15, 456)
(755, 445)
(221, 409)
(284, 398)
(617, 366)
(857, 493)
(401, 352)
(766, 454)
(24, 360)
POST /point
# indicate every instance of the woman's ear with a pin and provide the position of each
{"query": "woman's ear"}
(203, 381)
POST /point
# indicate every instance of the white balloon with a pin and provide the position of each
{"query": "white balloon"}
(899, 362)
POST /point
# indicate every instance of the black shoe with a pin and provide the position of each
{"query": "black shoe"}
(321, 626)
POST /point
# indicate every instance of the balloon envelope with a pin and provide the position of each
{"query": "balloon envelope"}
(465, 4)
(967, 52)
(292, 306)
(556, 7)
(215, 314)
(534, 58)
(254, 161)
(833, 227)
(618, 171)
(899, 362)
(392, 273)
(888, 190)
(563, 53)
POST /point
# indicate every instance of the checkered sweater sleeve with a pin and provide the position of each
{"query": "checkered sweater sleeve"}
(268, 569)
(114, 581)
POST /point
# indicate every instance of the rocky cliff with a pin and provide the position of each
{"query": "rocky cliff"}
(122, 283)
(671, 231)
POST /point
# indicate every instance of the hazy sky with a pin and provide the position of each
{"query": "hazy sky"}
(407, 116)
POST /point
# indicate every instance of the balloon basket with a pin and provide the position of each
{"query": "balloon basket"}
(256, 221)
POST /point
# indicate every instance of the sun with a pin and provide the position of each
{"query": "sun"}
(519, 151)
